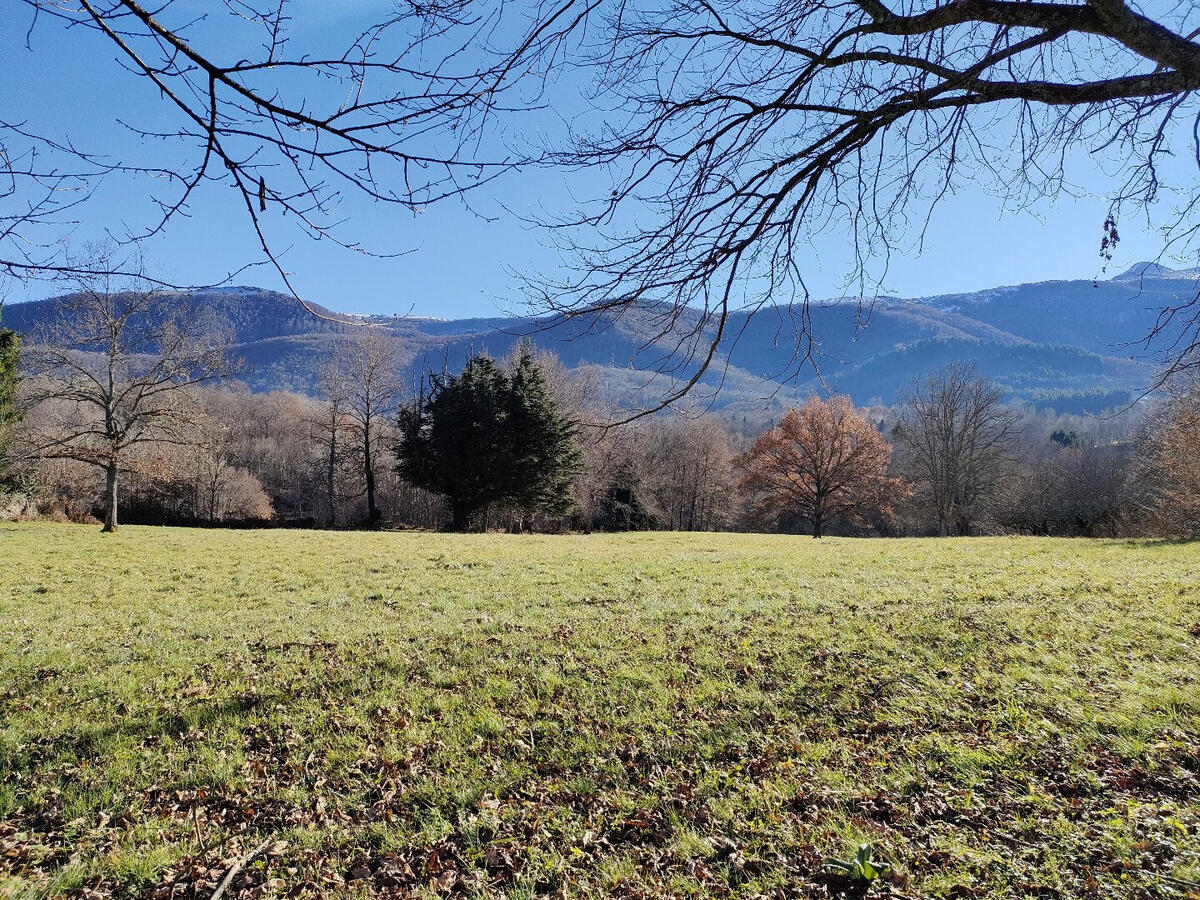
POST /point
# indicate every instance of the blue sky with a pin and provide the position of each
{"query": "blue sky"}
(457, 261)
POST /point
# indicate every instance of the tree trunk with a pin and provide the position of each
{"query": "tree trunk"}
(818, 510)
(110, 496)
(459, 516)
(369, 472)
(331, 471)
(213, 494)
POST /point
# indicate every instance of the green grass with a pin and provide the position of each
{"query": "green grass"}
(631, 716)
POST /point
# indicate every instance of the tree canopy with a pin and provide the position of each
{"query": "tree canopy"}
(10, 352)
(111, 373)
(483, 437)
(1171, 464)
(823, 462)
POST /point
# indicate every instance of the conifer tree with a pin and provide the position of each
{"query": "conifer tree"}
(454, 443)
(10, 350)
(482, 437)
(546, 455)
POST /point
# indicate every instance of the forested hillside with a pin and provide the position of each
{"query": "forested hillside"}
(1073, 346)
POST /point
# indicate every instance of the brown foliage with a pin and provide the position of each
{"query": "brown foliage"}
(1173, 457)
(823, 461)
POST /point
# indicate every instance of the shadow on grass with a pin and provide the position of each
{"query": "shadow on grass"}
(153, 724)
(1166, 542)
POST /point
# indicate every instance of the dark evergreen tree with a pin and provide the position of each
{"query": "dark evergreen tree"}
(482, 437)
(10, 351)
(454, 443)
(545, 453)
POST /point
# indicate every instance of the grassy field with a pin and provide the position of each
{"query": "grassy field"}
(638, 716)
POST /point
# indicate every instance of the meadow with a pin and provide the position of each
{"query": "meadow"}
(630, 716)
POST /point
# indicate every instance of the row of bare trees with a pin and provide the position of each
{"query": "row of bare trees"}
(121, 409)
(825, 468)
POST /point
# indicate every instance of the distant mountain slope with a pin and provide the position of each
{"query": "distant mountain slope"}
(1106, 317)
(1065, 344)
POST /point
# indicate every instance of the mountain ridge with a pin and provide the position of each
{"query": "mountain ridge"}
(1065, 345)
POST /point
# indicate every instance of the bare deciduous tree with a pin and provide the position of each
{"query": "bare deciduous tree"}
(365, 380)
(382, 114)
(751, 128)
(690, 465)
(823, 461)
(109, 374)
(956, 433)
(327, 427)
(222, 488)
(267, 436)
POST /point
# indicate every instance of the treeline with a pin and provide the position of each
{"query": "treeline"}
(122, 412)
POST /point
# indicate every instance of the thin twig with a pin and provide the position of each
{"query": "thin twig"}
(196, 827)
(1180, 881)
(237, 867)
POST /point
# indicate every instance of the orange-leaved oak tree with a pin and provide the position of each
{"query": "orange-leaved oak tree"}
(823, 462)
